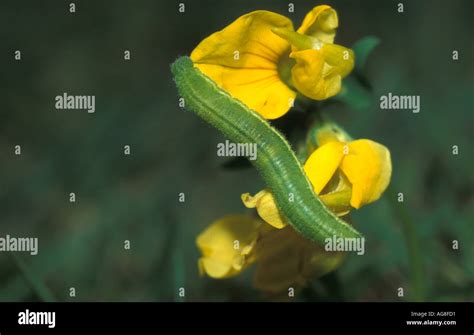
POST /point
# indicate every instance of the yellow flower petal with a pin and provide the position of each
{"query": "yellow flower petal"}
(286, 259)
(318, 73)
(321, 22)
(307, 74)
(266, 208)
(338, 202)
(227, 245)
(339, 60)
(243, 60)
(279, 272)
(279, 259)
(272, 240)
(323, 163)
(320, 262)
(324, 133)
(368, 167)
(330, 132)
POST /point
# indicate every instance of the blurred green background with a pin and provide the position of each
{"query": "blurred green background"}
(135, 197)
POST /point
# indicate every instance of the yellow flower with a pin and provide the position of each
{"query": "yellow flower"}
(363, 166)
(260, 59)
(345, 174)
(284, 258)
(227, 245)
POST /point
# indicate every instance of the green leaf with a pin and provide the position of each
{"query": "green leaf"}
(354, 94)
(362, 49)
(356, 90)
(35, 281)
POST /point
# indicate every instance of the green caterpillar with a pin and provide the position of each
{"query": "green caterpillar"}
(276, 161)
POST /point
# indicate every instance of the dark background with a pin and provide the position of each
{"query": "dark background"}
(135, 197)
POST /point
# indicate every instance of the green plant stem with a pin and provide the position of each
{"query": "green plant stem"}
(41, 290)
(413, 245)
